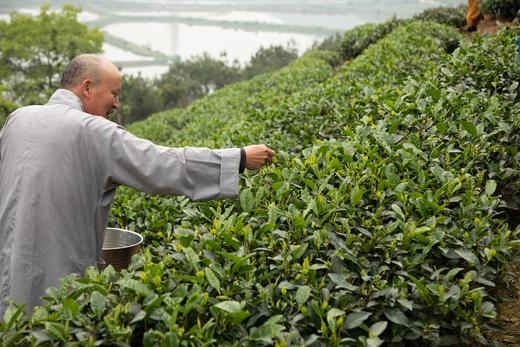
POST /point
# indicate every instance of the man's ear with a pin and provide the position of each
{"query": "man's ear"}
(86, 88)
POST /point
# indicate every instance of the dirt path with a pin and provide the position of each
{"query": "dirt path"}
(488, 25)
(508, 319)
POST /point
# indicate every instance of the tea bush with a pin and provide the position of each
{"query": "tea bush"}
(506, 9)
(455, 17)
(356, 40)
(382, 221)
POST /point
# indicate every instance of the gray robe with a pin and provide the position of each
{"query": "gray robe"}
(59, 168)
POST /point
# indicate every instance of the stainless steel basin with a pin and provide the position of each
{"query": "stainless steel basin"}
(118, 248)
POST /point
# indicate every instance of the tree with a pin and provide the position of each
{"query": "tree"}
(270, 59)
(35, 50)
(191, 79)
(6, 106)
(211, 74)
(139, 99)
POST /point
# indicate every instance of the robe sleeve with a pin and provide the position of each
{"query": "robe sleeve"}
(198, 173)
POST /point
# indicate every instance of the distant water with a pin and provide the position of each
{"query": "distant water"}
(190, 40)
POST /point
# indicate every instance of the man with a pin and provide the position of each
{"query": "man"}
(60, 164)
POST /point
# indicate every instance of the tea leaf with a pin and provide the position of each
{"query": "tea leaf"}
(56, 331)
(377, 328)
(470, 128)
(212, 279)
(229, 306)
(491, 187)
(467, 255)
(355, 319)
(374, 342)
(397, 316)
(356, 195)
(136, 286)
(302, 295)
(247, 200)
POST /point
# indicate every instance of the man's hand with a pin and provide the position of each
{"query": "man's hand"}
(257, 156)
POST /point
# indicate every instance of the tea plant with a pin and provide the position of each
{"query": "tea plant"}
(385, 220)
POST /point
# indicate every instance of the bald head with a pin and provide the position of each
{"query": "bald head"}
(86, 66)
(95, 81)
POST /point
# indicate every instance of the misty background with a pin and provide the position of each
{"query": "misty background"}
(144, 37)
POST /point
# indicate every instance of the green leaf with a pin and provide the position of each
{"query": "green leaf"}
(274, 319)
(152, 301)
(269, 330)
(229, 306)
(286, 285)
(302, 295)
(11, 314)
(398, 210)
(341, 281)
(247, 201)
(452, 273)
(232, 311)
(136, 286)
(97, 303)
(377, 328)
(335, 312)
(374, 342)
(212, 279)
(355, 196)
(281, 188)
(298, 251)
(397, 316)
(70, 309)
(468, 256)
(470, 128)
(355, 319)
(193, 258)
(170, 340)
(56, 331)
(310, 183)
(491, 187)
(185, 236)
(138, 317)
(40, 336)
(148, 339)
(406, 303)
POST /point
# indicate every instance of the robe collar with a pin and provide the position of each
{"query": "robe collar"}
(64, 96)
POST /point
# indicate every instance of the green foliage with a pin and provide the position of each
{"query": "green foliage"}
(188, 80)
(139, 98)
(445, 15)
(330, 43)
(356, 40)
(269, 59)
(194, 78)
(506, 9)
(382, 221)
(34, 51)
(322, 112)
(6, 106)
(211, 120)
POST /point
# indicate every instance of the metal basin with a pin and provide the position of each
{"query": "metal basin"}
(118, 248)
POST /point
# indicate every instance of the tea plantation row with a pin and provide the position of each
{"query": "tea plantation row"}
(387, 218)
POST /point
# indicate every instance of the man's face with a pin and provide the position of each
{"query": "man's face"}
(104, 96)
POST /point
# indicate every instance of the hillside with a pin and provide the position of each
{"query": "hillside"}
(387, 219)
